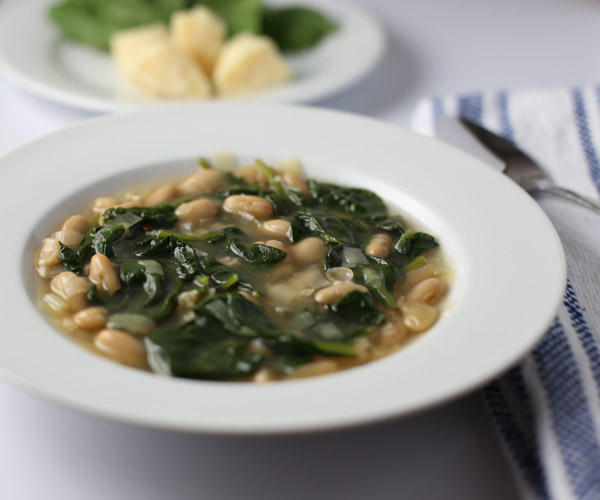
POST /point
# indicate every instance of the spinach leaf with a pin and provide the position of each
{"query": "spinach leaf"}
(350, 201)
(239, 316)
(185, 353)
(222, 235)
(224, 278)
(147, 273)
(70, 259)
(239, 15)
(258, 256)
(352, 315)
(93, 22)
(357, 309)
(333, 257)
(329, 228)
(215, 345)
(296, 28)
(74, 259)
(412, 244)
(285, 200)
(143, 291)
(393, 224)
(158, 216)
(379, 276)
(182, 256)
(104, 237)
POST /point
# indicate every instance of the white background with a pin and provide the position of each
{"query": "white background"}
(436, 47)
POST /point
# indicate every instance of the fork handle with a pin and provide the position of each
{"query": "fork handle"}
(567, 194)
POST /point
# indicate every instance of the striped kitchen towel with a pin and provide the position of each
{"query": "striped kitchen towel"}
(546, 410)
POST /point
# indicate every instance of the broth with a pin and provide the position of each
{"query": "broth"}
(255, 275)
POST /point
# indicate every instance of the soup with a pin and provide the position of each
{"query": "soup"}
(254, 274)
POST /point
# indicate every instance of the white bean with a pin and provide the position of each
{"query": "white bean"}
(393, 332)
(91, 318)
(202, 182)
(379, 246)
(339, 274)
(162, 194)
(336, 291)
(121, 347)
(196, 210)
(417, 275)
(55, 305)
(102, 204)
(103, 274)
(264, 375)
(252, 175)
(427, 291)
(247, 204)
(419, 317)
(77, 223)
(295, 181)
(308, 250)
(321, 367)
(277, 228)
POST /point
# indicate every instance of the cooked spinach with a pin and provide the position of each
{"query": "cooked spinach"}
(217, 336)
(392, 224)
(162, 215)
(151, 294)
(351, 201)
(189, 351)
(330, 228)
(258, 256)
(224, 278)
(379, 276)
(239, 15)
(216, 343)
(411, 244)
(93, 22)
(296, 28)
(70, 259)
(356, 312)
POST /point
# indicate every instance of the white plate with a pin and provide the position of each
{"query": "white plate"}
(486, 225)
(34, 56)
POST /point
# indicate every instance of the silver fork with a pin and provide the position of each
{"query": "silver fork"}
(522, 169)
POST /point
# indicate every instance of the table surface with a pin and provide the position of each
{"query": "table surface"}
(435, 47)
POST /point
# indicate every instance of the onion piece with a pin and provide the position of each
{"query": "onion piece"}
(353, 256)
(224, 161)
(137, 325)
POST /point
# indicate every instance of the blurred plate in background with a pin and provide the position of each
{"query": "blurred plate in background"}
(34, 56)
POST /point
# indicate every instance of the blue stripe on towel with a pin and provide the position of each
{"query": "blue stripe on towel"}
(437, 110)
(585, 137)
(471, 107)
(520, 442)
(579, 323)
(506, 128)
(571, 419)
(516, 378)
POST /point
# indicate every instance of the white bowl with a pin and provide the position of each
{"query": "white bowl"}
(36, 57)
(486, 225)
